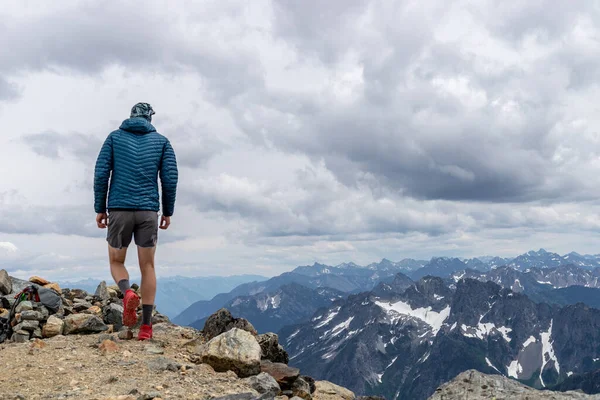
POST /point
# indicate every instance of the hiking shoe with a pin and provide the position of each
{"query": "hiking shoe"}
(131, 301)
(145, 332)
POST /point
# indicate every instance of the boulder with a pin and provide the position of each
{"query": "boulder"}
(83, 323)
(53, 327)
(329, 391)
(27, 326)
(102, 291)
(311, 383)
(94, 310)
(264, 383)
(81, 306)
(301, 388)
(160, 319)
(31, 315)
(77, 294)
(235, 350)
(20, 336)
(113, 314)
(271, 349)
(53, 286)
(284, 375)
(222, 321)
(24, 306)
(5, 283)
(39, 281)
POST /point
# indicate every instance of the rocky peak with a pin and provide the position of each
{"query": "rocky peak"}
(472, 384)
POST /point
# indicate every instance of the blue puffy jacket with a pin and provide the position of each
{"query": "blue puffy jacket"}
(135, 154)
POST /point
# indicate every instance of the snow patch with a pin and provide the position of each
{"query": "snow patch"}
(438, 297)
(529, 341)
(548, 349)
(459, 277)
(427, 315)
(514, 369)
(569, 373)
(484, 329)
(338, 328)
(487, 360)
(329, 317)
(293, 335)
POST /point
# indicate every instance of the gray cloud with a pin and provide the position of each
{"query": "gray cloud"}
(78, 40)
(433, 120)
(55, 145)
(8, 91)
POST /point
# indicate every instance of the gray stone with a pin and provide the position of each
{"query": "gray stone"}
(159, 319)
(271, 349)
(150, 396)
(83, 323)
(159, 364)
(301, 388)
(20, 336)
(44, 311)
(102, 291)
(311, 383)
(473, 384)
(222, 321)
(31, 315)
(125, 334)
(283, 374)
(27, 325)
(79, 307)
(235, 350)
(113, 315)
(153, 349)
(24, 306)
(37, 333)
(264, 383)
(5, 283)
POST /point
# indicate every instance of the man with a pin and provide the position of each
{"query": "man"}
(132, 158)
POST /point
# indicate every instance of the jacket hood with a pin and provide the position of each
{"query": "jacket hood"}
(137, 125)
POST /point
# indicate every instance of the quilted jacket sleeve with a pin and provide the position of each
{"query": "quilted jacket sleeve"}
(104, 166)
(168, 179)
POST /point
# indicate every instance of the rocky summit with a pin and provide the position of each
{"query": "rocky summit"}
(473, 385)
(77, 352)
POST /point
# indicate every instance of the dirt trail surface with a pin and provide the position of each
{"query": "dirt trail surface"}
(100, 366)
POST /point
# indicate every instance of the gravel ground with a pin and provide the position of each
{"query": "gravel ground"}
(76, 367)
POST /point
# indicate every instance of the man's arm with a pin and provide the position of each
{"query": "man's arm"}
(104, 165)
(168, 179)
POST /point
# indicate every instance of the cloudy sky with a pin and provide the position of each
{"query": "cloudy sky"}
(305, 130)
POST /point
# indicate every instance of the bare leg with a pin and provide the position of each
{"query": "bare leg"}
(117, 263)
(146, 259)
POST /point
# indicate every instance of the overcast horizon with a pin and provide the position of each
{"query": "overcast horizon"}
(304, 132)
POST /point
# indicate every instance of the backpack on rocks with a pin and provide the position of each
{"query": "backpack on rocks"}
(49, 298)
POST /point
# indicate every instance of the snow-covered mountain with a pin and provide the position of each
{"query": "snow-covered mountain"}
(403, 344)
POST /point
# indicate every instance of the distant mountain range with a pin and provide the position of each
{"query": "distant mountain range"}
(345, 278)
(351, 278)
(402, 344)
(175, 293)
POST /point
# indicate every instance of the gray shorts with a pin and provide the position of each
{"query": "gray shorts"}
(142, 225)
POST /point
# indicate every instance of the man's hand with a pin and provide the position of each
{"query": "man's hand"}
(165, 222)
(102, 220)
